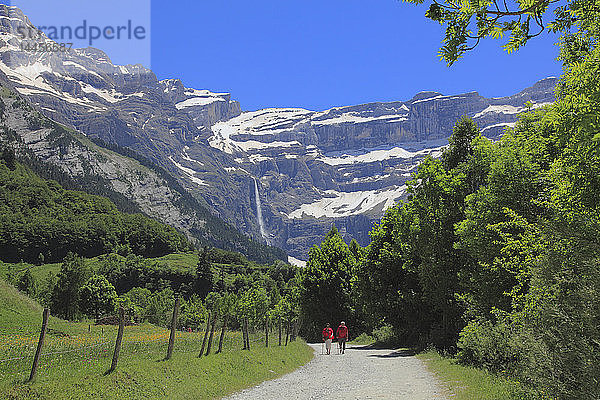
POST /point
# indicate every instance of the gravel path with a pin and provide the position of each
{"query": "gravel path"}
(361, 373)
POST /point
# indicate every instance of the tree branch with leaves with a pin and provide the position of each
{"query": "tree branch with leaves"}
(469, 21)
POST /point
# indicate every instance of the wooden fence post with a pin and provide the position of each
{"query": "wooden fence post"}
(212, 333)
(294, 330)
(280, 331)
(38, 352)
(267, 332)
(205, 335)
(173, 328)
(115, 359)
(247, 334)
(223, 329)
(243, 326)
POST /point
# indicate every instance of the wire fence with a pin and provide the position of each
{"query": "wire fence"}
(67, 344)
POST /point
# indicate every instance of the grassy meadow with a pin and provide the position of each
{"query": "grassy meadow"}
(76, 356)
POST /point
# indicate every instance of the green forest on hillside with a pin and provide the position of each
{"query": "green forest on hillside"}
(40, 221)
(495, 256)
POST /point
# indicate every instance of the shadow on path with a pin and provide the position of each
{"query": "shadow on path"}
(394, 354)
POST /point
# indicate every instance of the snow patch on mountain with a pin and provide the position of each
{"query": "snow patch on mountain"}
(200, 98)
(269, 121)
(379, 155)
(369, 178)
(111, 96)
(254, 145)
(189, 173)
(186, 157)
(507, 109)
(296, 262)
(499, 125)
(32, 71)
(221, 138)
(69, 63)
(342, 204)
(352, 118)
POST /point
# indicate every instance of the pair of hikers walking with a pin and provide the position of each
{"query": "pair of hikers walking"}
(341, 333)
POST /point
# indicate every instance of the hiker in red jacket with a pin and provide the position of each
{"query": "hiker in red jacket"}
(328, 337)
(342, 335)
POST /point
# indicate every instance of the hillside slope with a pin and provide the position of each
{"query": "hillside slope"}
(39, 220)
(18, 310)
(76, 356)
(135, 184)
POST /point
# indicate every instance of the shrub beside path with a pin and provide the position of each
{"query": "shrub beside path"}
(360, 373)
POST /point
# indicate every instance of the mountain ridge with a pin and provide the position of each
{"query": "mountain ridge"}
(312, 169)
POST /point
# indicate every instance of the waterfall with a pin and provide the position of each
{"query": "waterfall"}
(261, 223)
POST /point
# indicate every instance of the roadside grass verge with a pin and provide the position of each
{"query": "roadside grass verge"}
(469, 383)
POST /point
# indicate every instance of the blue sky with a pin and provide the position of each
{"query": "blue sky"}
(314, 54)
(322, 53)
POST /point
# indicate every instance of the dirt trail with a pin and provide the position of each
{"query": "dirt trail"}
(360, 373)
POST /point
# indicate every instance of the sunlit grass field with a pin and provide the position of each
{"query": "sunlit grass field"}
(76, 357)
(175, 262)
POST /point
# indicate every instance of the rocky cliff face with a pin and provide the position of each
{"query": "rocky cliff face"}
(345, 165)
(135, 184)
(78, 157)
(129, 106)
(205, 107)
(348, 164)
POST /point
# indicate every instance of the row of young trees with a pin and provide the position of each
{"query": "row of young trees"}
(495, 255)
(147, 290)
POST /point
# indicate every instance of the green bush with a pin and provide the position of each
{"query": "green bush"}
(384, 335)
(97, 297)
(363, 338)
(486, 345)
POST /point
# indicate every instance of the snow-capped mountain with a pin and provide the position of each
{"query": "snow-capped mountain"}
(309, 169)
(348, 164)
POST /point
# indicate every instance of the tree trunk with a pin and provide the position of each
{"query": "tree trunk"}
(212, 333)
(205, 335)
(267, 332)
(222, 334)
(280, 329)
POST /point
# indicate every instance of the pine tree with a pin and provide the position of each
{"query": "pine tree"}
(204, 276)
